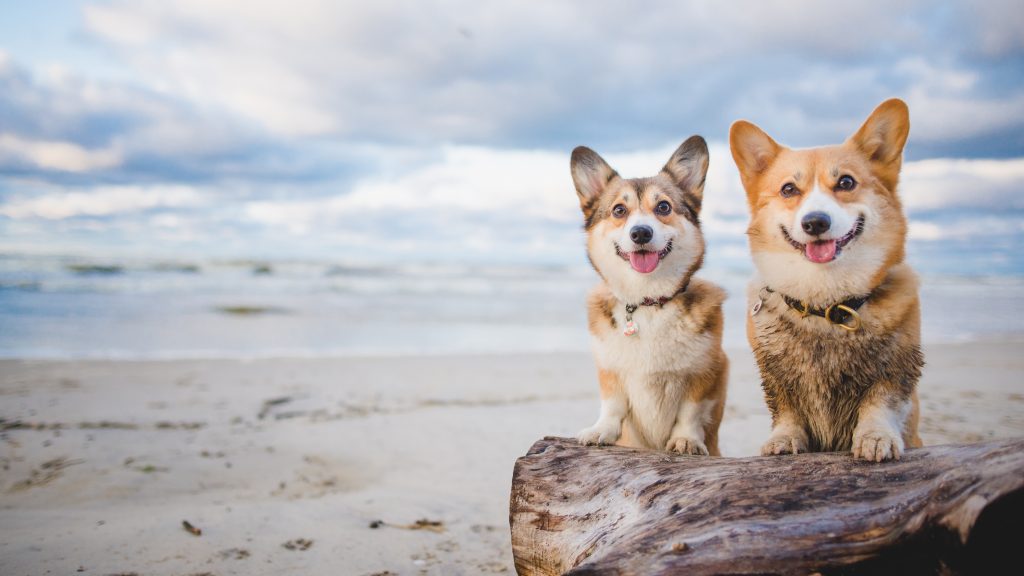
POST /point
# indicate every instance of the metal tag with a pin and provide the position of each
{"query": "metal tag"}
(630, 328)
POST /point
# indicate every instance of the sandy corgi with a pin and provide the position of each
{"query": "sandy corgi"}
(834, 317)
(656, 330)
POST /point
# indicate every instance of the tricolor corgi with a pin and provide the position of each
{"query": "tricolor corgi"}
(656, 330)
(834, 318)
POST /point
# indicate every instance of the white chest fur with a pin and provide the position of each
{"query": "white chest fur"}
(667, 340)
(655, 364)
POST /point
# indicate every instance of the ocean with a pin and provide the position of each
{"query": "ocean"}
(69, 308)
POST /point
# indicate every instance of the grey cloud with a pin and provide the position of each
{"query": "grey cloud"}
(558, 73)
(283, 103)
(157, 137)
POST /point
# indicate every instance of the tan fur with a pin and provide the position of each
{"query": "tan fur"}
(664, 387)
(829, 388)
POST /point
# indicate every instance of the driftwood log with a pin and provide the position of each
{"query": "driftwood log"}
(955, 509)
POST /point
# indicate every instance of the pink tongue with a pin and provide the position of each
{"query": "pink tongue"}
(643, 262)
(821, 252)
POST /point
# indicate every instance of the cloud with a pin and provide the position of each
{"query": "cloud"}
(465, 203)
(64, 127)
(612, 74)
(466, 187)
(949, 103)
(227, 90)
(507, 195)
(1001, 21)
(968, 229)
(958, 184)
(99, 202)
(478, 182)
(56, 155)
(409, 130)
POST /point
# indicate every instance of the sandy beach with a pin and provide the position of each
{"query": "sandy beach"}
(339, 466)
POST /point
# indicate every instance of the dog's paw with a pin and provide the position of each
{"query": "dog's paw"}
(783, 444)
(877, 445)
(684, 445)
(598, 435)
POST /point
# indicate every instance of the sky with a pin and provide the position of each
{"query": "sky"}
(410, 131)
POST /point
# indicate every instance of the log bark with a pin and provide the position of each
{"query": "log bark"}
(956, 509)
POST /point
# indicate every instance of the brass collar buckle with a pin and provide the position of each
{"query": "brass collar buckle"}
(851, 314)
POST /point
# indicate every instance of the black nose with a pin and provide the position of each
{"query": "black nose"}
(816, 223)
(641, 234)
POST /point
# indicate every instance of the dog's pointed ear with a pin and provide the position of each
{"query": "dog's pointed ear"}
(688, 166)
(752, 150)
(591, 174)
(884, 133)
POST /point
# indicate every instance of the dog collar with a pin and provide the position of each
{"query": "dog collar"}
(631, 327)
(843, 314)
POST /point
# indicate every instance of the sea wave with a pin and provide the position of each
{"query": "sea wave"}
(153, 308)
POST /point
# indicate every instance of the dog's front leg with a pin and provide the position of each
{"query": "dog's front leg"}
(788, 435)
(614, 405)
(687, 436)
(881, 419)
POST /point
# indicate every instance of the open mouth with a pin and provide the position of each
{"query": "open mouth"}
(824, 251)
(644, 261)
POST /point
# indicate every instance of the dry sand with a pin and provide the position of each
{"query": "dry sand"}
(324, 466)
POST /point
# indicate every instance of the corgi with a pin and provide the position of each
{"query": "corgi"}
(834, 317)
(656, 330)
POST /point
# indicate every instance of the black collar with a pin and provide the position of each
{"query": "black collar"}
(839, 313)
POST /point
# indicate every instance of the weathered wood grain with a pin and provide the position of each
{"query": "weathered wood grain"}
(955, 509)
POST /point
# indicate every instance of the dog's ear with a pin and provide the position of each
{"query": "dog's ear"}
(752, 150)
(688, 166)
(882, 137)
(591, 174)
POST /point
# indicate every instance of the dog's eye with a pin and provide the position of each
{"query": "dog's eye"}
(663, 208)
(788, 190)
(619, 210)
(846, 182)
